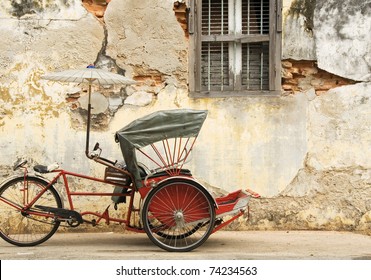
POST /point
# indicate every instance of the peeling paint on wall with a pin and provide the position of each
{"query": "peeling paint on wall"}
(305, 8)
(20, 8)
(38, 9)
(343, 39)
(334, 200)
(307, 151)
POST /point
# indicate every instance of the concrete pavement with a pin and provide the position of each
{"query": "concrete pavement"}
(227, 245)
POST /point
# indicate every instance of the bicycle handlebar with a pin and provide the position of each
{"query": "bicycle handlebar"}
(19, 163)
(96, 155)
(96, 147)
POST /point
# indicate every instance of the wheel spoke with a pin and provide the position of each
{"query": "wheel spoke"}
(170, 214)
(25, 229)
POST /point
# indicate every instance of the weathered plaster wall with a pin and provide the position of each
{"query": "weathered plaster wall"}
(298, 38)
(326, 48)
(343, 38)
(152, 46)
(38, 37)
(332, 190)
(334, 33)
(267, 128)
(307, 151)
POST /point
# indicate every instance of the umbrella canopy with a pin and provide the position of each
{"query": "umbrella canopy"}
(89, 75)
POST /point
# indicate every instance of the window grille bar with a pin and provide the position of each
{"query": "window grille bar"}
(208, 52)
(209, 24)
(248, 17)
(235, 37)
(208, 66)
(222, 51)
(222, 67)
(261, 16)
(222, 19)
(261, 68)
(248, 66)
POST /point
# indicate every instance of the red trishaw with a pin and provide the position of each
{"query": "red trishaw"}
(176, 211)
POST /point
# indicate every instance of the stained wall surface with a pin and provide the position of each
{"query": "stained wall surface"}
(306, 151)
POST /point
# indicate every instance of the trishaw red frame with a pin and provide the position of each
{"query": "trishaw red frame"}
(176, 211)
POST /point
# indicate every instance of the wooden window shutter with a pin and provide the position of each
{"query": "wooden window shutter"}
(234, 43)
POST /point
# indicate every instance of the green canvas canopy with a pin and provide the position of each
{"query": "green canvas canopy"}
(161, 125)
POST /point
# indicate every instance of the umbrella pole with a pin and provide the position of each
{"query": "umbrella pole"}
(88, 125)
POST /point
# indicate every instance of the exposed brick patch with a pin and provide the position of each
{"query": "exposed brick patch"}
(152, 79)
(301, 75)
(180, 10)
(96, 7)
(72, 100)
(149, 77)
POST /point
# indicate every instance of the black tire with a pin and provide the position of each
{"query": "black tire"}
(24, 229)
(190, 231)
(178, 215)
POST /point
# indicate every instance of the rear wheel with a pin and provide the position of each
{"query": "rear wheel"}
(22, 228)
(178, 215)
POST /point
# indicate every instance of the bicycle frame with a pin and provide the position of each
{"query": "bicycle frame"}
(63, 174)
(175, 211)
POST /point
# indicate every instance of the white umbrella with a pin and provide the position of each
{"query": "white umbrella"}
(89, 75)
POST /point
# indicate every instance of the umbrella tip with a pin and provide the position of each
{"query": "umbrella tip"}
(90, 66)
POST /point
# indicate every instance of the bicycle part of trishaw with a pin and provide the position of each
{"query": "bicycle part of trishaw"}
(31, 199)
(39, 202)
(178, 214)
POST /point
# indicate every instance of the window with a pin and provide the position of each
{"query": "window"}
(235, 47)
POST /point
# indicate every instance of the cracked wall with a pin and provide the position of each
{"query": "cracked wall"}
(306, 151)
(305, 75)
(333, 188)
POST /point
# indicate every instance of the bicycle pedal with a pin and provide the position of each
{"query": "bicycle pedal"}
(93, 222)
(62, 213)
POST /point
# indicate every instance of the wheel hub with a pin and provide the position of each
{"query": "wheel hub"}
(179, 218)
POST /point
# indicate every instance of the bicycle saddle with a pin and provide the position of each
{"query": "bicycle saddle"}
(45, 168)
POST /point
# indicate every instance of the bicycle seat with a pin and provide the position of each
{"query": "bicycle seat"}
(45, 168)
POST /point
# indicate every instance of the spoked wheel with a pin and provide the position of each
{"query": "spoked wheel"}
(22, 228)
(178, 215)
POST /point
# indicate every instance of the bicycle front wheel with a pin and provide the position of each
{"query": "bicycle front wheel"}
(31, 227)
(179, 215)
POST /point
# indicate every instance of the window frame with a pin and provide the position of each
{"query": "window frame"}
(275, 48)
